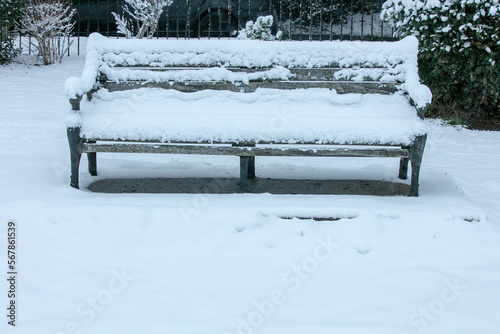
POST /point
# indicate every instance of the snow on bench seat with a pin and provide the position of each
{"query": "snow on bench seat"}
(299, 116)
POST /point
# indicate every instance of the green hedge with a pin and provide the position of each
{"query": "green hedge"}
(459, 49)
(10, 11)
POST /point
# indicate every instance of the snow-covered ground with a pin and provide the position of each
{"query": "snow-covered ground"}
(200, 263)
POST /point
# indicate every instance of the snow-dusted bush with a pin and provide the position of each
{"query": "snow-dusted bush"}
(144, 13)
(10, 11)
(8, 51)
(459, 48)
(260, 29)
(49, 23)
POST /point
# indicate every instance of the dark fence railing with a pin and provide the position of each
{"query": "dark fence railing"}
(297, 19)
(182, 19)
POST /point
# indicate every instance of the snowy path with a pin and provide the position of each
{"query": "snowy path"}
(130, 263)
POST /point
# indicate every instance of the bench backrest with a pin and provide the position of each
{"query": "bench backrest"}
(245, 65)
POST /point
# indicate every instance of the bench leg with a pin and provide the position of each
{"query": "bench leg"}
(92, 157)
(247, 171)
(403, 168)
(416, 154)
(251, 167)
(75, 151)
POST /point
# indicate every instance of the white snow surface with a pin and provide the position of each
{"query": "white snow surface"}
(267, 115)
(208, 263)
(250, 53)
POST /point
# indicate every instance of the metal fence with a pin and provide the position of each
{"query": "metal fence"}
(332, 20)
(297, 19)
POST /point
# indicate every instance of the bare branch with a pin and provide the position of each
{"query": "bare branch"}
(145, 13)
(49, 22)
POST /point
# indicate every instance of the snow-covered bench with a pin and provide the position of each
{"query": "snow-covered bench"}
(249, 98)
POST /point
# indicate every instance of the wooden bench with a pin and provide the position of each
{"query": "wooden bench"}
(247, 99)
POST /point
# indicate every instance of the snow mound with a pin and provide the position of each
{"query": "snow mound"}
(420, 94)
(199, 75)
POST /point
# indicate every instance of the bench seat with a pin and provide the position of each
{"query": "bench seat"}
(318, 116)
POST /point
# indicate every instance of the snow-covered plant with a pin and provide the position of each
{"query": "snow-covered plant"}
(10, 11)
(144, 13)
(49, 23)
(8, 51)
(459, 48)
(261, 29)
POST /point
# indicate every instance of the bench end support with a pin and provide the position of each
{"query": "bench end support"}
(75, 150)
(416, 154)
(403, 168)
(247, 171)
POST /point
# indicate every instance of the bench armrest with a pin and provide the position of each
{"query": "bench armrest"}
(420, 95)
(74, 87)
(74, 91)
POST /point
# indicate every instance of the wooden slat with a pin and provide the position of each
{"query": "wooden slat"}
(245, 151)
(310, 145)
(313, 74)
(342, 87)
(183, 66)
(298, 74)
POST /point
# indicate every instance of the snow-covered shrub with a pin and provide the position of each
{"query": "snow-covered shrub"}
(459, 48)
(260, 29)
(49, 23)
(8, 51)
(144, 13)
(10, 11)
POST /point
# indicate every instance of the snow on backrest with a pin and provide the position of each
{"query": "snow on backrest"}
(253, 53)
(380, 61)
